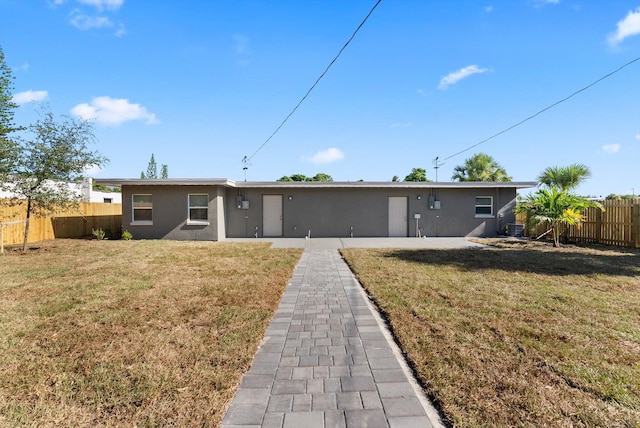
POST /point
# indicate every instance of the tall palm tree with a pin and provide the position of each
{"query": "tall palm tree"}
(480, 167)
(565, 178)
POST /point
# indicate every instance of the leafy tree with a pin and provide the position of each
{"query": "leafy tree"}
(480, 167)
(8, 146)
(301, 177)
(556, 207)
(395, 178)
(51, 154)
(417, 174)
(565, 178)
(164, 171)
(321, 177)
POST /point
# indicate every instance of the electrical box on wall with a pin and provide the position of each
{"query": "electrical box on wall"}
(433, 203)
(245, 205)
(239, 201)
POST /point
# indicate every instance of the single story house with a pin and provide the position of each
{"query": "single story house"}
(216, 209)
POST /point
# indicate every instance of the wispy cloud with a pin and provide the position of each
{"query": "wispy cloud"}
(627, 27)
(456, 76)
(638, 136)
(326, 156)
(85, 22)
(29, 97)
(241, 44)
(488, 9)
(103, 4)
(540, 3)
(611, 148)
(402, 125)
(113, 111)
(23, 67)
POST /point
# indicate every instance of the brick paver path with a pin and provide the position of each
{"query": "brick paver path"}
(325, 361)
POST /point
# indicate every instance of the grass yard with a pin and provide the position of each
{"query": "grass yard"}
(516, 335)
(132, 333)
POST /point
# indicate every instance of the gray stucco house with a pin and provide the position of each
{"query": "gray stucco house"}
(215, 209)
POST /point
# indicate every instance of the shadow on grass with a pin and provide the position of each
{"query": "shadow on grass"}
(528, 260)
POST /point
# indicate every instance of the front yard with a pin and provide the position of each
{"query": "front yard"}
(510, 336)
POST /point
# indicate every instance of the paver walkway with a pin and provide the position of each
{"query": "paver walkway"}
(327, 361)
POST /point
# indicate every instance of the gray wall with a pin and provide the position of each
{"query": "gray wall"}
(170, 212)
(326, 212)
(332, 212)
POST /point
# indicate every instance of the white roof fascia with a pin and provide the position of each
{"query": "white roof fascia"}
(316, 184)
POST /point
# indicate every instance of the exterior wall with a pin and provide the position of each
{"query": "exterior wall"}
(170, 213)
(337, 212)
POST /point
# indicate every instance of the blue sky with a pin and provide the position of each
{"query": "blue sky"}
(201, 84)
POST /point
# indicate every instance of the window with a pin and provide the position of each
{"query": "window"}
(107, 200)
(142, 209)
(198, 209)
(484, 206)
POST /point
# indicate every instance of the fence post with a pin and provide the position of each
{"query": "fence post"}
(598, 226)
(635, 225)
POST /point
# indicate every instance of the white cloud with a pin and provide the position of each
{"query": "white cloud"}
(629, 26)
(29, 97)
(638, 136)
(401, 125)
(92, 170)
(456, 76)
(113, 111)
(241, 43)
(326, 156)
(611, 148)
(103, 4)
(488, 9)
(85, 22)
(23, 67)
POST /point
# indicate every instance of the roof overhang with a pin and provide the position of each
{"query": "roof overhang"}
(119, 182)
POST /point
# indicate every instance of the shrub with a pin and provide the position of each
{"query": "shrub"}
(98, 233)
(127, 236)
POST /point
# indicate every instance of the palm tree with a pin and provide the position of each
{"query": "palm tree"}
(556, 207)
(480, 167)
(565, 178)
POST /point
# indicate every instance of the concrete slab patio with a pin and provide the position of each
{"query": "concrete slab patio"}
(383, 242)
(327, 359)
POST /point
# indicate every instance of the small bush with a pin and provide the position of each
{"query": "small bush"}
(99, 234)
(127, 236)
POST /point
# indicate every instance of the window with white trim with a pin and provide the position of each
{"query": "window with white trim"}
(198, 209)
(484, 206)
(142, 206)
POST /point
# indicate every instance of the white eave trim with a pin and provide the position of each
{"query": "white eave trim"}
(315, 184)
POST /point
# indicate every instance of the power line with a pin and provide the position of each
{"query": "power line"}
(545, 109)
(248, 158)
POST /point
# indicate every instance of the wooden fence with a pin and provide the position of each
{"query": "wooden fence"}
(73, 223)
(618, 225)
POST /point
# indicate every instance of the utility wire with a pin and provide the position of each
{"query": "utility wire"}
(544, 109)
(246, 159)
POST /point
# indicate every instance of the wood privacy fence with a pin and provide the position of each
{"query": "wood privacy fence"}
(618, 225)
(72, 223)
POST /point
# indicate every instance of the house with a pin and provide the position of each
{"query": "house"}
(82, 189)
(215, 209)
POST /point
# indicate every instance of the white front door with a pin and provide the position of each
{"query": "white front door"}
(398, 216)
(272, 215)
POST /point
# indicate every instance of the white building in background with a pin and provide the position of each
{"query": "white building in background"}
(84, 188)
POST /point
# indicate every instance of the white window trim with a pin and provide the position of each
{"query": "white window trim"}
(133, 208)
(475, 206)
(197, 222)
